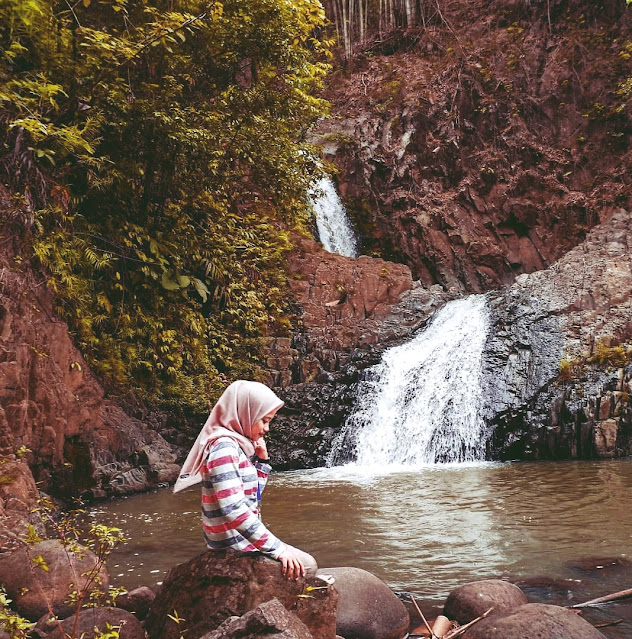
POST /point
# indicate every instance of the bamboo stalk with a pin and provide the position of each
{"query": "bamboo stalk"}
(608, 623)
(461, 629)
(421, 614)
(622, 594)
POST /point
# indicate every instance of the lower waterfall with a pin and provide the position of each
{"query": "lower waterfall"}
(422, 404)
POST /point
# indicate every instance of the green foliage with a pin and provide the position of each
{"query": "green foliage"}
(110, 632)
(6, 479)
(179, 621)
(69, 529)
(603, 356)
(13, 624)
(159, 146)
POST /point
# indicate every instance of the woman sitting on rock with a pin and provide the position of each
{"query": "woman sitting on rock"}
(230, 458)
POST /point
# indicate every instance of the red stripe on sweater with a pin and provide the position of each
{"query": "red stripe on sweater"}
(220, 494)
(220, 461)
(229, 525)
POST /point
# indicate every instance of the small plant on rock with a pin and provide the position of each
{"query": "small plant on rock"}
(13, 624)
(569, 370)
(85, 554)
(614, 356)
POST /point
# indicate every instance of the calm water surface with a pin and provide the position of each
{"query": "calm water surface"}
(424, 531)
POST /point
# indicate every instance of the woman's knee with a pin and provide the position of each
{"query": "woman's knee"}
(309, 563)
(311, 567)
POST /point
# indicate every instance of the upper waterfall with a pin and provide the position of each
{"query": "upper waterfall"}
(333, 225)
(422, 404)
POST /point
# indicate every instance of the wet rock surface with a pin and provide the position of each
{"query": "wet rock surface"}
(367, 607)
(534, 621)
(557, 372)
(349, 311)
(214, 586)
(469, 601)
(44, 574)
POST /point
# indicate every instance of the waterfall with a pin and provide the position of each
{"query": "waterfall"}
(334, 228)
(422, 404)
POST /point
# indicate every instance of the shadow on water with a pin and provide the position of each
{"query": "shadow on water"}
(424, 531)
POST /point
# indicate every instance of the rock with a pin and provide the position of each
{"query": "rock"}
(269, 619)
(602, 567)
(567, 314)
(471, 600)
(18, 494)
(214, 586)
(52, 404)
(137, 601)
(379, 304)
(92, 621)
(367, 607)
(31, 587)
(534, 621)
(44, 626)
(605, 438)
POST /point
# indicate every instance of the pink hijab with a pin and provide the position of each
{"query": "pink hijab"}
(241, 405)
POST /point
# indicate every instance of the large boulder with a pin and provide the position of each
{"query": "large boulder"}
(270, 620)
(92, 621)
(534, 621)
(33, 583)
(367, 607)
(137, 601)
(216, 585)
(471, 600)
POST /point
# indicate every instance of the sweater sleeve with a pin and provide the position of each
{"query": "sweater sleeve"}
(227, 509)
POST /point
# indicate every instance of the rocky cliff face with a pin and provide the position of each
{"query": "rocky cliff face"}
(488, 143)
(557, 374)
(558, 358)
(349, 310)
(79, 442)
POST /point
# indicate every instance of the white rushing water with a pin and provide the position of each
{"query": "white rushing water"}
(334, 228)
(422, 404)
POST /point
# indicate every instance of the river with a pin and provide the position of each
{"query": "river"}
(424, 531)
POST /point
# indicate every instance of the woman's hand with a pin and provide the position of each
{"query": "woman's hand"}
(261, 449)
(292, 566)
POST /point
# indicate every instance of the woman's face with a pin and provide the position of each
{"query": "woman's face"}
(260, 428)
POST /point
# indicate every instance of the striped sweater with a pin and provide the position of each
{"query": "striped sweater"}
(230, 515)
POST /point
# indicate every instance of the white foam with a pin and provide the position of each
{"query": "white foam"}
(422, 404)
(334, 228)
